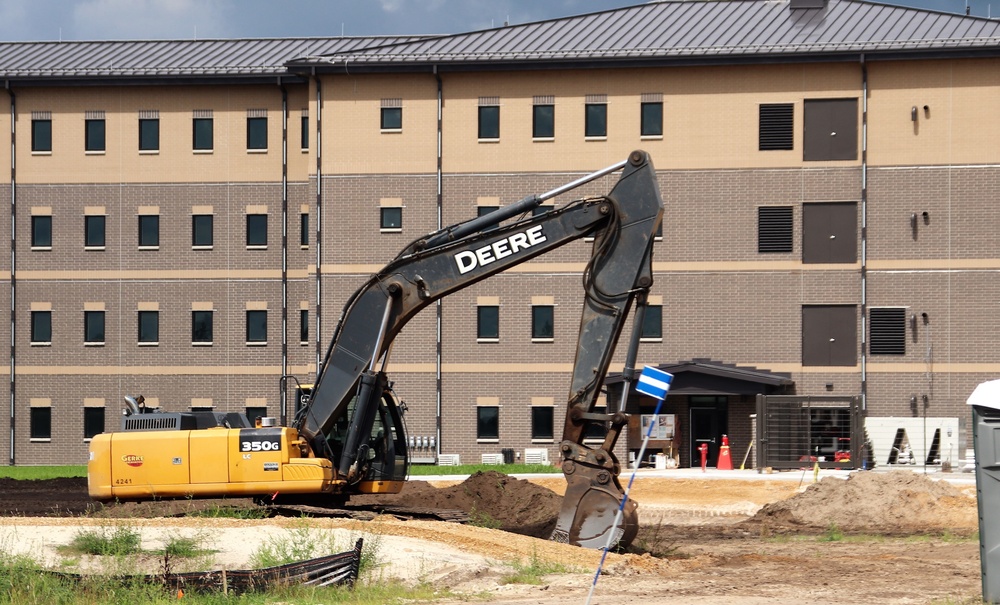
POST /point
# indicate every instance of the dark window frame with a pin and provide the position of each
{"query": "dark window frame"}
(488, 323)
(488, 123)
(651, 119)
(41, 231)
(149, 134)
(775, 229)
(542, 423)
(595, 120)
(488, 423)
(543, 126)
(304, 229)
(94, 328)
(95, 135)
(391, 119)
(41, 327)
(257, 133)
(203, 139)
(652, 323)
(202, 326)
(391, 218)
(304, 133)
(256, 225)
(41, 135)
(95, 231)
(93, 422)
(202, 231)
(256, 326)
(149, 231)
(148, 324)
(40, 424)
(776, 127)
(542, 327)
(303, 326)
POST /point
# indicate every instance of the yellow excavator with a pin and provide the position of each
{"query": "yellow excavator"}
(350, 437)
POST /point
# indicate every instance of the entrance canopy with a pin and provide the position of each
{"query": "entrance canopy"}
(708, 377)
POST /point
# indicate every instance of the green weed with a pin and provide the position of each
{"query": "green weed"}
(218, 511)
(833, 533)
(480, 518)
(118, 540)
(532, 572)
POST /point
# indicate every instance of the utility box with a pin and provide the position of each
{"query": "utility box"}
(985, 402)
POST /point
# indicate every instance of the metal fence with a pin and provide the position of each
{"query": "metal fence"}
(797, 432)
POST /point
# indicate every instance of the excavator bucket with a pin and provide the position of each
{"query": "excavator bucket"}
(589, 509)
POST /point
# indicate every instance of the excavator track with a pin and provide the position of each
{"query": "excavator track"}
(366, 513)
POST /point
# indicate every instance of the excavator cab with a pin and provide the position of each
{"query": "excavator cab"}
(383, 458)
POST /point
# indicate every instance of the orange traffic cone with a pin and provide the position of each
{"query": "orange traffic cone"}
(725, 459)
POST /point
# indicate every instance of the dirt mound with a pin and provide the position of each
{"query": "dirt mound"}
(491, 498)
(898, 501)
(45, 497)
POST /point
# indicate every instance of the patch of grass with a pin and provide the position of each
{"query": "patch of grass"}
(481, 518)
(471, 469)
(114, 541)
(220, 511)
(656, 542)
(181, 546)
(832, 534)
(533, 571)
(308, 543)
(42, 472)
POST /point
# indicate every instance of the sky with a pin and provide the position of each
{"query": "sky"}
(35, 20)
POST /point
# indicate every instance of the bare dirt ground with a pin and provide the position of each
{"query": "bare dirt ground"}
(877, 537)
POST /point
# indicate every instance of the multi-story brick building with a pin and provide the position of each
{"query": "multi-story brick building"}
(187, 218)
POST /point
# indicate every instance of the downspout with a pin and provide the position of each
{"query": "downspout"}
(864, 236)
(319, 218)
(283, 395)
(440, 225)
(13, 262)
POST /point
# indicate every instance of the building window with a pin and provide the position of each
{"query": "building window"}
(304, 138)
(93, 327)
(201, 327)
(775, 127)
(149, 231)
(652, 323)
(488, 422)
(41, 423)
(304, 229)
(94, 134)
(149, 131)
(391, 218)
(391, 115)
(887, 331)
(829, 335)
(41, 327)
(41, 232)
(149, 327)
(202, 227)
(542, 322)
(596, 116)
(651, 116)
(541, 422)
(488, 322)
(255, 412)
(93, 231)
(257, 230)
(543, 118)
(829, 232)
(489, 118)
(304, 326)
(203, 131)
(257, 327)
(257, 130)
(93, 422)
(830, 129)
(41, 133)
(774, 229)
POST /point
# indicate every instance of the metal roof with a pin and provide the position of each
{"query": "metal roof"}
(658, 32)
(169, 58)
(678, 30)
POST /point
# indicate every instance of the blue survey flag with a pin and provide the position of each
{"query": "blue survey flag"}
(654, 382)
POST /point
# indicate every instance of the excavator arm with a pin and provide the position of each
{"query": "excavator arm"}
(351, 382)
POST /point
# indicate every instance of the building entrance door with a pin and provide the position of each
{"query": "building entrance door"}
(708, 423)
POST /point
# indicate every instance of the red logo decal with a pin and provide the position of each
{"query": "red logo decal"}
(132, 460)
